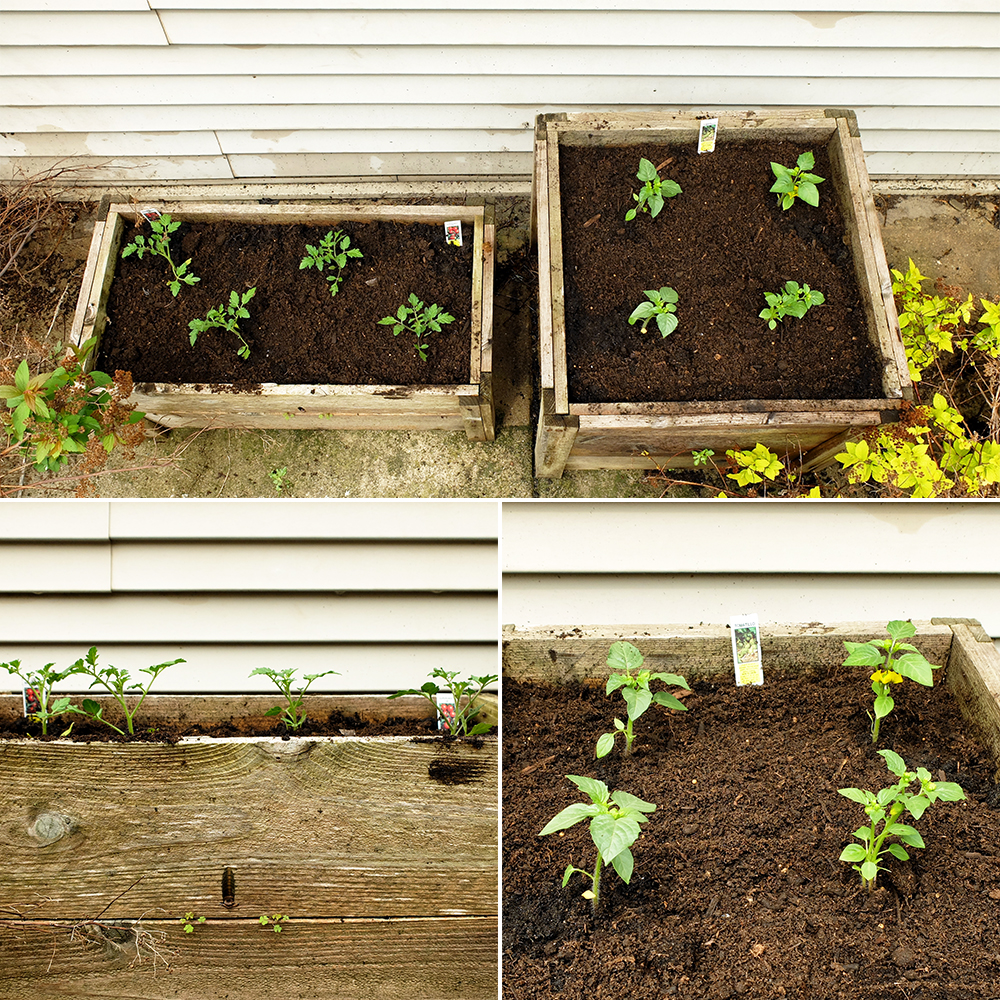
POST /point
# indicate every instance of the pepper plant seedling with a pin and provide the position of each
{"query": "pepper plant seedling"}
(893, 660)
(41, 682)
(614, 828)
(885, 808)
(795, 182)
(625, 661)
(333, 251)
(418, 319)
(226, 317)
(795, 300)
(159, 246)
(465, 693)
(653, 192)
(662, 305)
(292, 714)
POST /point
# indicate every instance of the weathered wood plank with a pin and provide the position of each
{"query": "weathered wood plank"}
(539, 222)
(764, 407)
(554, 438)
(560, 381)
(486, 296)
(974, 681)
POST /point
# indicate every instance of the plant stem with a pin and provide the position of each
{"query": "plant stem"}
(595, 902)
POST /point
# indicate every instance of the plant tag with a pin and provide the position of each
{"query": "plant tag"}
(30, 702)
(746, 650)
(453, 233)
(150, 214)
(446, 703)
(707, 131)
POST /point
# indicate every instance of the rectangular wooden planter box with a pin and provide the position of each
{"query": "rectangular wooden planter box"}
(566, 654)
(622, 435)
(298, 407)
(382, 851)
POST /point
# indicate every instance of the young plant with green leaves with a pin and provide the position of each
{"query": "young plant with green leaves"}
(614, 828)
(653, 192)
(189, 920)
(419, 319)
(796, 182)
(893, 659)
(41, 682)
(884, 811)
(465, 692)
(627, 675)
(274, 921)
(754, 465)
(795, 300)
(663, 305)
(277, 477)
(333, 251)
(292, 713)
(226, 317)
(158, 245)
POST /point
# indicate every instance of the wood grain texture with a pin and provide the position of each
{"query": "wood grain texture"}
(974, 681)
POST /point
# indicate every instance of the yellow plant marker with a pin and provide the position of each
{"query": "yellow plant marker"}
(747, 658)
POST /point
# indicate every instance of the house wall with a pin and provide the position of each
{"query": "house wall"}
(383, 592)
(224, 89)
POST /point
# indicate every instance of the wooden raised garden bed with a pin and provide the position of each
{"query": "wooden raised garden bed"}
(738, 890)
(381, 850)
(309, 367)
(612, 397)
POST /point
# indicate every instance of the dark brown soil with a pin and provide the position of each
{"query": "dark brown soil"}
(298, 333)
(721, 244)
(737, 889)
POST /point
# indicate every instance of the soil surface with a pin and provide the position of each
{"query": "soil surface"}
(720, 244)
(737, 889)
(298, 333)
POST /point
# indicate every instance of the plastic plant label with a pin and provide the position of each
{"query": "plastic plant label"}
(30, 702)
(746, 650)
(446, 704)
(453, 233)
(707, 131)
(150, 214)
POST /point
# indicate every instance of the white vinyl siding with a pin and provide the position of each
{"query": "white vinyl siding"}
(186, 89)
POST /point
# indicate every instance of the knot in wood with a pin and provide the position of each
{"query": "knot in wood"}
(50, 827)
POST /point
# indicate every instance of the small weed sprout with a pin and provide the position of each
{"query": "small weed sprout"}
(795, 300)
(754, 465)
(41, 682)
(795, 182)
(159, 246)
(333, 251)
(274, 922)
(653, 192)
(885, 808)
(702, 457)
(626, 659)
(893, 660)
(418, 319)
(292, 714)
(277, 477)
(614, 828)
(189, 920)
(465, 693)
(663, 305)
(226, 317)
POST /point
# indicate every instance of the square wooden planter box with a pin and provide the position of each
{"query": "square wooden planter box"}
(382, 851)
(647, 435)
(296, 407)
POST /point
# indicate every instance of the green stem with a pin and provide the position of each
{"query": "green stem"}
(595, 902)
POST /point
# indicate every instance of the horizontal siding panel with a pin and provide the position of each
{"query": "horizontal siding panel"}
(75, 520)
(151, 168)
(76, 27)
(389, 141)
(77, 5)
(109, 144)
(927, 141)
(380, 163)
(915, 164)
(29, 568)
(595, 6)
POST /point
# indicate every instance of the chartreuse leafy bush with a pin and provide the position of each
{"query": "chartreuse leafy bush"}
(796, 182)
(754, 465)
(884, 810)
(159, 246)
(653, 192)
(614, 828)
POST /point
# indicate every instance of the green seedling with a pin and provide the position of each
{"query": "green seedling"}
(189, 920)
(614, 828)
(277, 477)
(795, 182)
(653, 192)
(274, 922)
(418, 319)
(333, 251)
(793, 301)
(159, 246)
(662, 305)
(885, 808)
(702, 457)
(754, 465)
(226, 317)
(41, 682)
(117, 682)
(465, 693)
(292, 713)
(625, 661)
(893, 660)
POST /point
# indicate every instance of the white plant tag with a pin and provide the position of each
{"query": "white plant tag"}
(446, 704)
(746, 650)
(453, 233)
(30, 702)
(150, 214)
(707, 131)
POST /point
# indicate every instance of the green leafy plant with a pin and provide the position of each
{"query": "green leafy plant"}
(292, 713)
(189, 920)
(274, 922)
(614, 828)
(754, 465)
(653, 192)
(988, 340)
(796, 182)
(465, 693)
(662, 305)
(885, 808)
(41, 682)
(277, 477)
(225, 317)
(893, 659)
(159, 246)
(625, 662)
(702, 457)
(420, 320)
(333, 251)
(795, 300)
